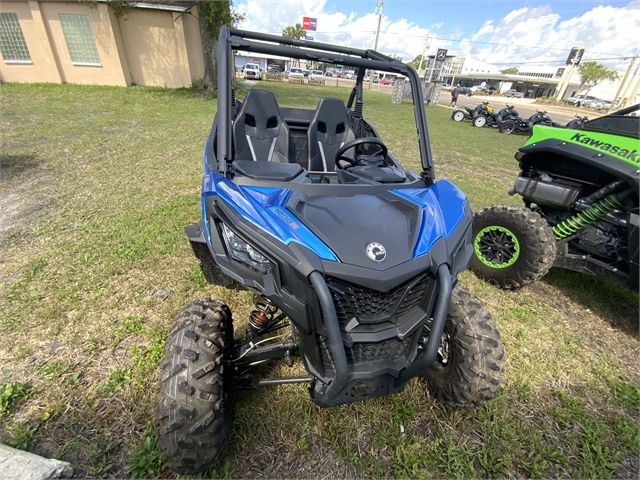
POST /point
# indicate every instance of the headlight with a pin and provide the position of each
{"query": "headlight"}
(244, 252)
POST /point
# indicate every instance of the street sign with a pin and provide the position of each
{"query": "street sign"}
(441, 55)
(575, 56)
(309, 23)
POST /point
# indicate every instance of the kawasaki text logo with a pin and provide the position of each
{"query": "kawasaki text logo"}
(607, 147)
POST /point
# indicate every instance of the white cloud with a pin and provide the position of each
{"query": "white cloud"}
(606, 33)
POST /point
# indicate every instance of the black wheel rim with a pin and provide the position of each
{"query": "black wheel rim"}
(496, 247)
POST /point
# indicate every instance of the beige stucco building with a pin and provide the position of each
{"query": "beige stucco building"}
(73, 42)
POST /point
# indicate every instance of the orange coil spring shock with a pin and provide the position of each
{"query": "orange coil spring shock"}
(263, 314)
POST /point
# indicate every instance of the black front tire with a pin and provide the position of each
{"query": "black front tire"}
(513, 246)
(508, 126)
(194, 408)
(468, 370)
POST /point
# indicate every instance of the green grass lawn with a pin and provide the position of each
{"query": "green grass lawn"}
(97, 184)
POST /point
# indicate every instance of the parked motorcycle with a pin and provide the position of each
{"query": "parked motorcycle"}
(485, 116)
(468, 113)
(577, 123)
(526, 126)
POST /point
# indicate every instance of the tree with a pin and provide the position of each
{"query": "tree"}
(296, 31)
(510, 70)
(592, 73)
(211, 17)
(415, 63)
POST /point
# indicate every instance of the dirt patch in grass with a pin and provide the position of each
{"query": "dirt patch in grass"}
(24, 200)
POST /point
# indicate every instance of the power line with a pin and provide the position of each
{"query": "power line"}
(435, 38)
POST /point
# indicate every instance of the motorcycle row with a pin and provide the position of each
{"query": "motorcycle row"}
(507, 120)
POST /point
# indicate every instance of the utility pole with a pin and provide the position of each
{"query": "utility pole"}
(622, 89)
(379, 6)
(424, 51)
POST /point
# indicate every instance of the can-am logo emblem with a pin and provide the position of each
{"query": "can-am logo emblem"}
(376, 252)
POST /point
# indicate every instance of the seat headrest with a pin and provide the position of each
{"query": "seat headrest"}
(260, 110)
(331, 116)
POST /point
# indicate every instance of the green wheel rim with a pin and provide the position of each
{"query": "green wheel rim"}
(496, 247)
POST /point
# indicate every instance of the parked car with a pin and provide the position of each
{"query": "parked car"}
(603, 105)
(252, 70)
(295, 75)
(273, 69)
(591, 102)
(580, 100)
(465, 91)
(514, 93)
(316, 77)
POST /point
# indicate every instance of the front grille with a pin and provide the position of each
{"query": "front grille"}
(371, 306)
(391, 349)
(364, 352)
(356, 305)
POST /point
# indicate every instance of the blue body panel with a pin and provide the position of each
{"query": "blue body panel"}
(266, 209)
(436, 221)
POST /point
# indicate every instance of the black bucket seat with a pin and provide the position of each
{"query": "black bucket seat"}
(259, 133)
(328, 131)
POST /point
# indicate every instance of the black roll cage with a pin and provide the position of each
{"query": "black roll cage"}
(233, 39)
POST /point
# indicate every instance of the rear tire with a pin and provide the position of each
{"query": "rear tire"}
(513, 246)
(508, 126)
(194, 407)
(457, 115)
(480, 121)
(468, 370)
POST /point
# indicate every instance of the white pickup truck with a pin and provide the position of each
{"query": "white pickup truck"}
(251, 70)
(514, 93)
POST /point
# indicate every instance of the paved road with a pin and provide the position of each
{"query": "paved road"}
(524, 106)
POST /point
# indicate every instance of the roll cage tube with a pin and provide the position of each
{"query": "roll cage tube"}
(231, 38)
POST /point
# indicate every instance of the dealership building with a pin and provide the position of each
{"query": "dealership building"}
(532, 80)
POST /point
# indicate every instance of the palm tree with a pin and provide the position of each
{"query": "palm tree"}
(294, 31)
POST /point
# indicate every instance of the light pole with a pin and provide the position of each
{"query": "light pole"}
(375, 47)
(424, 50)
(622, 89)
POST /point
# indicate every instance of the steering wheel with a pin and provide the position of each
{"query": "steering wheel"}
(354, 143)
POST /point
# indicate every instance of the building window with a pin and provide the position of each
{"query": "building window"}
(12, 45)
(80, 41)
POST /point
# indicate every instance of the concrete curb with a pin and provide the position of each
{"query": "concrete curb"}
(19, 465)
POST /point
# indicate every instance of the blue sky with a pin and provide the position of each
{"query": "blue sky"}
(493, 31)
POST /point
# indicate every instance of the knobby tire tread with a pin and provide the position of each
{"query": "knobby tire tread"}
(537, 245)
(193, 429)
(473, 374)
